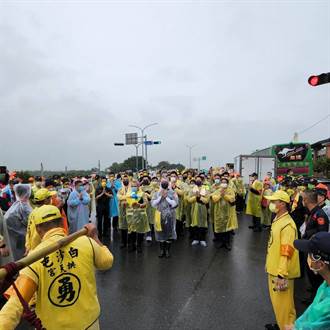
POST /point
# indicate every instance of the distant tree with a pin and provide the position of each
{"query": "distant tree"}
(24, 175)
(128, 164)
(165, 165)
(322, 166)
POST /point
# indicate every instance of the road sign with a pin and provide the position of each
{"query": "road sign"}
(157, 142)
(119, 144)
(131, 138)
(148, 143)
(204, 158)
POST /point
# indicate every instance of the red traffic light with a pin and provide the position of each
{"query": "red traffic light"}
(313, 80)
(321, 79)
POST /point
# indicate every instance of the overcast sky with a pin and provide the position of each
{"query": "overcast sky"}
(229, 76)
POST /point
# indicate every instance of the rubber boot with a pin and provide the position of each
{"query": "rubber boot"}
(258, 227)
(140, 238)
(162, 253)
(167, 249)
(132, 242)
(123, 238)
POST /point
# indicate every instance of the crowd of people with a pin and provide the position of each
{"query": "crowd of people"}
(168, 204)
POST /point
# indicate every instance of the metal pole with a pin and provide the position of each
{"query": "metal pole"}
(199, 164)
(190, 148)
(190, 157)
(142, 137)
(146, 159)
(137, 157)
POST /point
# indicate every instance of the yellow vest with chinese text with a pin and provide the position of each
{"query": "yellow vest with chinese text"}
(276, 248)
(66, 294)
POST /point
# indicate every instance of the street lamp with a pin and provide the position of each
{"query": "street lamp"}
(190, 148)
(143, 139)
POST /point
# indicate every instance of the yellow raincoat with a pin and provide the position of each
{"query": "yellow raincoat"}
(122, 195)
(253, 205)
(266, 214)
(224, 211)
(137, 219)
(199, 209)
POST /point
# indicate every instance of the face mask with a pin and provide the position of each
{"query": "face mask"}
(273, 208)
(184, 178)
(103, 184)
(164, 185)
(224, 185)
(309, 262)
(173, 179)
(198, 183)
(145, 182)
(134, 189)
(125, 183)
(80, 188)
(217, 181)
(38, 184)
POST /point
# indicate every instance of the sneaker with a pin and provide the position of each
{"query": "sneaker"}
(203, 243)
(149, 239)
(194, 242)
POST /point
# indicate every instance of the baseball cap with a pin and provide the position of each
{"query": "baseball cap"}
(46, 213)
(322, 189)
(279, 195)
(43, 194)
(319, 244)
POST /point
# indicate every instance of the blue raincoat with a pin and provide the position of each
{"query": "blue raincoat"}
(114, 204)
(78, 210)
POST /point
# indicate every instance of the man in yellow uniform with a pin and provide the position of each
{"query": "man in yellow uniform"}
(282, 262)
(223, 212)
(64, 281)
(42, 197)
(253, 204)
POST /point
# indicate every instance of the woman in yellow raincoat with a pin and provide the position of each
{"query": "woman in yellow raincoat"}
(136, 216)
(199, 199)
(122, 198)
(148, 191)
(223, 212)
(253, 205)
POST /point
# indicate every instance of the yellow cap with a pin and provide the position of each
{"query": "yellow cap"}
(43, 194)
(279, 195)
(46, 213)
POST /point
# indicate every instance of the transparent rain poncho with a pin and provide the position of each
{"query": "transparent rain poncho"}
(16, 220)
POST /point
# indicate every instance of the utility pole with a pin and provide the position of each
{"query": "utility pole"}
(146, 159)
(190, 148)
(143, 138)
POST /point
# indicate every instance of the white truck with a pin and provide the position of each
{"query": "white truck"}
(248, 164)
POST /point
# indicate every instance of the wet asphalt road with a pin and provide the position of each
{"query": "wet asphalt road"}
(197, 288)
